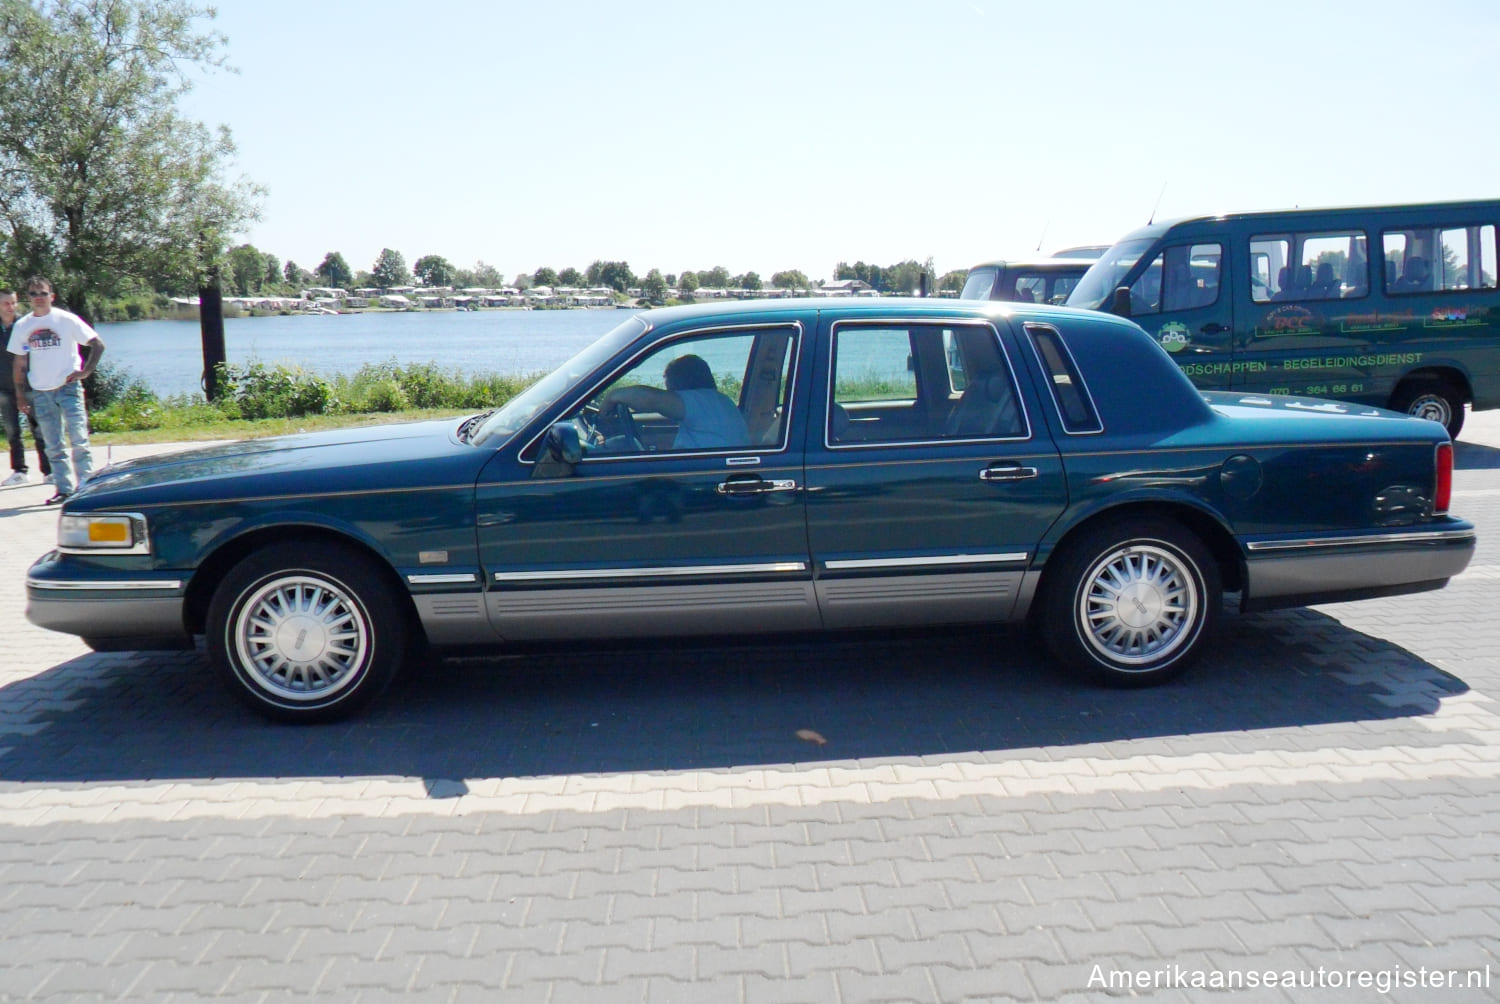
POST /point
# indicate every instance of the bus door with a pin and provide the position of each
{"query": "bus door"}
(1182, 302)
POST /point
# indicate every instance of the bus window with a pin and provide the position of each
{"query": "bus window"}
(1309, 266)
(1468, 258)
(1192, 276)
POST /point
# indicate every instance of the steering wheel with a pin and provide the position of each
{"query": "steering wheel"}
(618, 421)
(590, 421)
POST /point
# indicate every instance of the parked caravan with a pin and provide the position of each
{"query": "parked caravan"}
(1395, 306)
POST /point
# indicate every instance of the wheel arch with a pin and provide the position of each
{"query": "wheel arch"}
(1444, 373)
(211, 570)
(1204, 525)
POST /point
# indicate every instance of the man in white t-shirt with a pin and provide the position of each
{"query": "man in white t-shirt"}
(45, 343)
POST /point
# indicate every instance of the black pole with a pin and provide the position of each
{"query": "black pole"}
(211, 323)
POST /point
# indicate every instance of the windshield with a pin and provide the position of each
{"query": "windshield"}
(1098, 284)
(519, 410)
(981, 281)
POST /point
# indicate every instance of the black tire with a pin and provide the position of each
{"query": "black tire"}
(1166, 573)
(326, 602)
(1434, 399)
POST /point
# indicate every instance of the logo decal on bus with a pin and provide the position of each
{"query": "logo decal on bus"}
(1173, 336)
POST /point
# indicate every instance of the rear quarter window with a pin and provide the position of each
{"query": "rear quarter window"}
(1065, 381)
(1133, 385)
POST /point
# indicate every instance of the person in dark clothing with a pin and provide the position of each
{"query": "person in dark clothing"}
(10, 414)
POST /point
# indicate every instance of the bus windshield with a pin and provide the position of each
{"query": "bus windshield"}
(1098, 284)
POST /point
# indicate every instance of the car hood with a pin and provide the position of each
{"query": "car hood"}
(382, 456)
(1309, 419)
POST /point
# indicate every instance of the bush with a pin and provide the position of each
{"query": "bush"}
(135, 408)
(109, 384)
(276, 392)
(387, 395)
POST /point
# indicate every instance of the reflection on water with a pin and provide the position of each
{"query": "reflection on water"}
(168, 355)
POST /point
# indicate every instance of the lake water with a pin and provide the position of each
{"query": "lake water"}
(168, 355)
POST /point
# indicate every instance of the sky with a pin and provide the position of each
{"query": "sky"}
(797, 135)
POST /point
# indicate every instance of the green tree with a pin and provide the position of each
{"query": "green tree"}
(334, 271)
(654, 286)
(487, 276)
(616, 275)
(953, 282)
(272, 276)
(103, 183)
(296, 276)
(390, 269)
(749, 280)
(245, 270)
(716, 277)
(544, 276)
(571, 277)
(790, 279)
(435, 270)
(688, 283)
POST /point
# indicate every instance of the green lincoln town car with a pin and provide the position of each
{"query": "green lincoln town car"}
(764, 467)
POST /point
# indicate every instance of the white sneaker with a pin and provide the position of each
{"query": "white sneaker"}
(18, 478)
(48, 480)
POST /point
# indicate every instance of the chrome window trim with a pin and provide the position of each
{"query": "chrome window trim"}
(950, 322)
(797, 334)
(843, 564)
(72, 585)
(1364, 540)
(675, 571)
(1046, 371)
(137, 519)
(442, 578)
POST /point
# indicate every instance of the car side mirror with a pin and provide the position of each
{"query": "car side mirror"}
(561, 450)
(563, 444)
(1119, 304)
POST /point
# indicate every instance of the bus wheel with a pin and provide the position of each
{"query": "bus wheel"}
(1437, 400)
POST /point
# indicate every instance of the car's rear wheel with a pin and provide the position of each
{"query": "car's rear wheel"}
(1130, 602)
(1437, 400)
(306, 632)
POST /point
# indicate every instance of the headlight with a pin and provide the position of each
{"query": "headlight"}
(107, 533)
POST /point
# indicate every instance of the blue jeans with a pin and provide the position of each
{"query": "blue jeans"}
(58, 411)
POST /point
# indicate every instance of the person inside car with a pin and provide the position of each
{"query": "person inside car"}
(705, 417)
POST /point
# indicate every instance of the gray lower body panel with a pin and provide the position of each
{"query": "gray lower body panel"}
(1354, 570)
(644, 611)
(142, 622)
(902, 600)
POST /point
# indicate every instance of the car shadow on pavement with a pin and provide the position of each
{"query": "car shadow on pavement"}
(708, 704)
(1475, 457)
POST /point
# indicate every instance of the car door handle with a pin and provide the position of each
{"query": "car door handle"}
(754, 486)
(1007, 472)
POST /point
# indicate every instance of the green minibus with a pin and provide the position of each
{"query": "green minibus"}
(1395, 306)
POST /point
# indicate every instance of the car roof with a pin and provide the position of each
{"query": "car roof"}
(859, 306)
(1040, 264)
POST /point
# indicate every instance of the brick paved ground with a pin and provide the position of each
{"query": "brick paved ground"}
(638, 824)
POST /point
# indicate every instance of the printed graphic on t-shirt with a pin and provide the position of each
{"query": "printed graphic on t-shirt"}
(43, 338)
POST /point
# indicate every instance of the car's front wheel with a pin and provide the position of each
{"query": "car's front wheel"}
(1130, 602)
(305, 632)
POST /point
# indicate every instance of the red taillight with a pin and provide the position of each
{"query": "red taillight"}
(1444, 493)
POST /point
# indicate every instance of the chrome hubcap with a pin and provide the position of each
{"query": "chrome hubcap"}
(1138, 604)
(301, 638)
